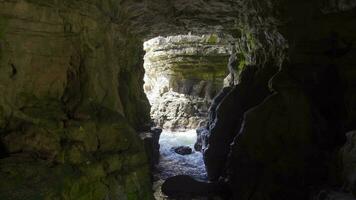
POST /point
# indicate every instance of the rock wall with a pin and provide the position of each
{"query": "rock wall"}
(71, 102)
(183, 74)
(290, 141)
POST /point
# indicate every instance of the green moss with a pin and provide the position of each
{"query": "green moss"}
(3, 25)
(212, 39)
(112, 162)
(137, 185)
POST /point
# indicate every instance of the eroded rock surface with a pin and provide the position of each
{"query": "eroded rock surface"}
(72, 98)
(183, 74)
(70, 103)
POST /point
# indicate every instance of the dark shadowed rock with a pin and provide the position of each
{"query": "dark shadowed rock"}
(272, 157)
(333, 195)
(226, 114)
(182, 150)
(151, 143)
(348, 152)
(183, 186)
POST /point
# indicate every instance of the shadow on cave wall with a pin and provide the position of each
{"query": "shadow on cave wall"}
(3, 152)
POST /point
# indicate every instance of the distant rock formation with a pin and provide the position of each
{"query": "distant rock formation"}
(183, 74)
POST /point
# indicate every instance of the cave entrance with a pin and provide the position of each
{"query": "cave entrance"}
(182, 75)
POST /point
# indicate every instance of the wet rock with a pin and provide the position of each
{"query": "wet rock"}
(182, 150)
(202, 133)
(151, 143)
(183, 186)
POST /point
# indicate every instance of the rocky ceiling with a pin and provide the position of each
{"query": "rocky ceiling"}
(71, 77)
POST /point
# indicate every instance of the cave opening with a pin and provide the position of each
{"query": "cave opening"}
(183, 73)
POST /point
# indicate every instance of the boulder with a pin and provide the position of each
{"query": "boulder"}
(183, 186)
(182, 150)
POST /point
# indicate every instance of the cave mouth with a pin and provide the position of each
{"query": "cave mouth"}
(182, 75)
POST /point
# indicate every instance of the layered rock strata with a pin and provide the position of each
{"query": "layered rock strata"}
(183, 74)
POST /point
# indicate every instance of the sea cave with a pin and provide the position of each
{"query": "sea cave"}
(178, 99)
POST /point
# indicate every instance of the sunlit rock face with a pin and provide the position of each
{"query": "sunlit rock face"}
(183, 74)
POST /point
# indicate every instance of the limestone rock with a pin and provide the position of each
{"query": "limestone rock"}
(65, 64)
(179, 111)
(183, 73)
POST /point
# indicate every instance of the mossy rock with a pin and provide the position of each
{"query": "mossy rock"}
(212, 39)
(45, 111)
(137, 184)
(43, 142)
(26, 178)
(112, 162)
(93, 169)
(3, 25)
(85, 133)
(74, 154)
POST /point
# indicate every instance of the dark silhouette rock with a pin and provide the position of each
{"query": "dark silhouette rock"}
(270, 151)
(151, 143)
(348, 154)
(183, 186)
(182, 150)
(226, 114)
(232, 66)
(3, 152)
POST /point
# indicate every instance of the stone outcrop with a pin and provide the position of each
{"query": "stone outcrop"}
(178, 111)
(311, 85)
(183, 74)
(151, 143)
(72, 100)
(226, 115)
(267, 156)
